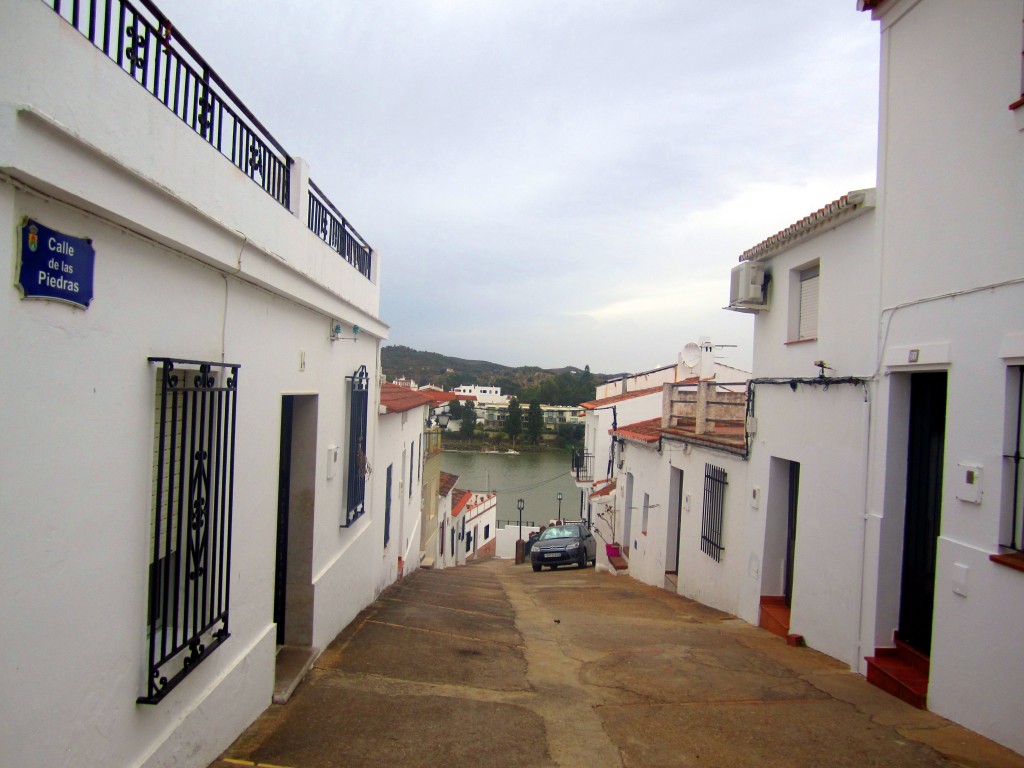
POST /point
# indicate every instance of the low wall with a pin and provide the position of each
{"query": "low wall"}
(507, 538)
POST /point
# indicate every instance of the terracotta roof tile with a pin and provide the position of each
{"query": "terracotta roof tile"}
(592, 404)
(448, 482)
(648, 431)
(459, 500)
(860, 199)
(440, 398)
(605, 490)
(398, 399)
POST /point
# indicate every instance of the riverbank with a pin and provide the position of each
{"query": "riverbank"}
(458, 445)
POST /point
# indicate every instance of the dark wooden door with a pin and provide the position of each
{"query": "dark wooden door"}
(283, 492)
(925, 451)
(794, 494)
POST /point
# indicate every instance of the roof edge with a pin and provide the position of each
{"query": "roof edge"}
(847, 207)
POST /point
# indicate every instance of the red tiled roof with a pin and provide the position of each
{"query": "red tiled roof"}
(860, 199)
(459, 500)
(440, 398)
(605, 490)
(592, 404)
(648, 431)
(729, 436)
(448, 482)
(398, 399)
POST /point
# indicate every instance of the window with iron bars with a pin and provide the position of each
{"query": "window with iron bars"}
(715, 480)
(190, 534)
(358, 464)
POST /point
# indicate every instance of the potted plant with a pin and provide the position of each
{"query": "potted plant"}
(614, 549)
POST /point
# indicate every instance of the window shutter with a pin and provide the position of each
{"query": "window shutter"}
(809, 305)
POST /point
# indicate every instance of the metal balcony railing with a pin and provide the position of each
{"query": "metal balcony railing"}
(145, 45)
(327, 223)
(583, 466)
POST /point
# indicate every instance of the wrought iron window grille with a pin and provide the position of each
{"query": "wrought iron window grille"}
(715, 480)
(358, 466)
(193, 497)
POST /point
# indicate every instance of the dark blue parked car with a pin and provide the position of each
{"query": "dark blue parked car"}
(564, 544)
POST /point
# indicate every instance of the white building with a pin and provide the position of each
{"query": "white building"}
(603, 457)
(479, 519)
(402, 444)
(482, 395)
(951, 331)
(894, 495)
(169, 235)
(809, 424)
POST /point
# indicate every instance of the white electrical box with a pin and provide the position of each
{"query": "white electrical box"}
(968, 485)
(332, 460)
(960, 572)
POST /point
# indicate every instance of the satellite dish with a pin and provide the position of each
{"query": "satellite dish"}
(691, 355)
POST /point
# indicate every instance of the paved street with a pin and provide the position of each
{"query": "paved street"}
(492, 664)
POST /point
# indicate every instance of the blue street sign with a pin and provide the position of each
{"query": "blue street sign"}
(55, 266)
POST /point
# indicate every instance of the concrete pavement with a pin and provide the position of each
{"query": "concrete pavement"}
(496, 665)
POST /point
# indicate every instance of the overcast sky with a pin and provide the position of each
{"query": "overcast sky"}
(559, 182)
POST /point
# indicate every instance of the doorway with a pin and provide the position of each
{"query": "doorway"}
(925, 455)
(791, 505)
(627, 516)
(675, 517)
(779, 557)
(293, 573)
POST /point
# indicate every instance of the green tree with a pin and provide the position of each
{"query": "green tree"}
(514, 420)
(467, 426)
(534, 422)
(571, 435)
(455, 410)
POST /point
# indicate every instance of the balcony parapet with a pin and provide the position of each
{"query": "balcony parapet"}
(144, 44)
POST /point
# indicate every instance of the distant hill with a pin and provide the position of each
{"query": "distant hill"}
(566, 383)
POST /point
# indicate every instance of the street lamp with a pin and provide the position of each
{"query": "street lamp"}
(520, 505)
(442, 420)
(559, 505)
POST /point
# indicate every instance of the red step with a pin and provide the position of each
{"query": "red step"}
(774, 615)
(902, 672)
(775, 618)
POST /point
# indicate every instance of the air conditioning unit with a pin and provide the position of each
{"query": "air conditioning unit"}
(748, 290)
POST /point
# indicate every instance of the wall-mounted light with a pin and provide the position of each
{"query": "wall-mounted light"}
(336, 331)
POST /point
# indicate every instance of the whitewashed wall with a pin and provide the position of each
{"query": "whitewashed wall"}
(951, 186)
(193, 261)
(826, 432)
(399, 444)
(649, 469)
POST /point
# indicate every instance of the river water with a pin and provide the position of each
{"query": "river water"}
(536, 478)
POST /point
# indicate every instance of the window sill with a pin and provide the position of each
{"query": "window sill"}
(1013, 560)
(800, 341)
